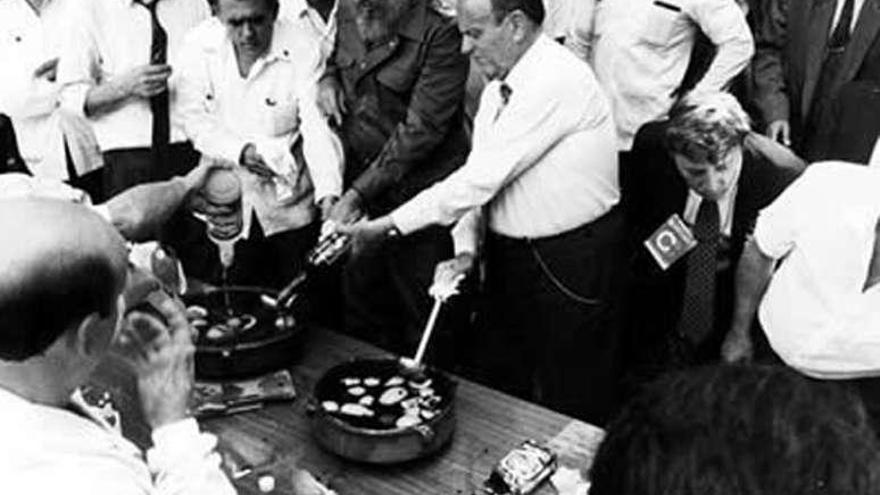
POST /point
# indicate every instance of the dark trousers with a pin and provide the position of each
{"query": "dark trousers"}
(124, 168)
(386, 294)
(554, 317)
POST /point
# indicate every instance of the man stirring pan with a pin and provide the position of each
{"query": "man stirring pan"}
(544, 165)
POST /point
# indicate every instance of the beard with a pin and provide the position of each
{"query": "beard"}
(378, 20)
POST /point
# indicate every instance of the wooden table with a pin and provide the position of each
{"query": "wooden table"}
(277, 437)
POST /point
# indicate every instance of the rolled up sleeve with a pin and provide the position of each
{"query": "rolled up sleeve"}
(724, 23)
(183, 461)
(79, 61)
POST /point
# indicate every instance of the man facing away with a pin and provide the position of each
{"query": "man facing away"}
(61, 308)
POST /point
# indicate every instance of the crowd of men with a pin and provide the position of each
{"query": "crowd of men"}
(630, 186)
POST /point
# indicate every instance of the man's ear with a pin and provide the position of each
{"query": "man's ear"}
(93, 335)
(520, 25)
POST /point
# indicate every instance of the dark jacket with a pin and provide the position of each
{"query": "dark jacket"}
(791, 38)
(653, 191)
(404, 129)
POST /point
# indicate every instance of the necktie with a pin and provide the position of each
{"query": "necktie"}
(840, 36)
(505, 91)
(159, 102)
(874, 268)
(698, 311)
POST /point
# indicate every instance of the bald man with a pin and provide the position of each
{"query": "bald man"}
(61, 308)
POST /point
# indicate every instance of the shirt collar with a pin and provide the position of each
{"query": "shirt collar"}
(528, 65)
(301, 8)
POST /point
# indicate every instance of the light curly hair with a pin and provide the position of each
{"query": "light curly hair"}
(705, 126)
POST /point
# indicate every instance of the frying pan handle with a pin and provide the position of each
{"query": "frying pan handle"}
(426, 432)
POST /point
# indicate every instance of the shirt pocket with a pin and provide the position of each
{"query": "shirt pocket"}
(660, 21)
(281, 113)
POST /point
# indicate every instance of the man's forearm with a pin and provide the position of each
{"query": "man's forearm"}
(753, 274)
(138, 213)
(104, 98)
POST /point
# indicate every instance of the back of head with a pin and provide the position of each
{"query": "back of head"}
(705, 125)
(736, 430)
(533, 9)
(61, 263)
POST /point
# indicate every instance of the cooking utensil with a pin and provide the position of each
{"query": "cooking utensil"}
(264, 348)
(352, 440)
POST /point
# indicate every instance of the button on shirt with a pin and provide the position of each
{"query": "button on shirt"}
(224, 111)
(816, 314)
(109, 38)
(642, 49)
(28, 40)
(545, 162)
(53, 450)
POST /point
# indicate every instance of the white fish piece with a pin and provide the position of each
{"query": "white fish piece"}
(367, 400)
(372, 381)
(357, 391)
(330, 406)
(394, 381)
(392, 396)
(356, 410)
(351, 382)
(407, 420)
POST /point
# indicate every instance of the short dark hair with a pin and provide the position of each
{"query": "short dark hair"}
(739, 430)
(62, 292)
(533, 9)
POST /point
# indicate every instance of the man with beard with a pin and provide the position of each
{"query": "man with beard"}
(395, 88)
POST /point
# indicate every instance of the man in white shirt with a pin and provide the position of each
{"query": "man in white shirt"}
(246, 93)
(52, 441)
(116, 69)
(641, 50)
(29, 49)
(820, 310)
(544, 168)
(317, 18)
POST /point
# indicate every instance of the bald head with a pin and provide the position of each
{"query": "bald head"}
(61, 263)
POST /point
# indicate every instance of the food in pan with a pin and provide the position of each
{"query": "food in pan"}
(219, 326)
(382, 400)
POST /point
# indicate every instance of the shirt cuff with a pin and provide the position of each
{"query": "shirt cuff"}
(179, 446)
(408, 219)
(466, 233)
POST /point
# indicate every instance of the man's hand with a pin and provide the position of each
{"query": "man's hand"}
(254, 162)
(47, 70)
(325, 205)
(780, 131)
(348, 209)
(331, 100)
(366, 234)
(161, 354)
(451, 272)
(195, 179)
(145, 81)
(737, 347)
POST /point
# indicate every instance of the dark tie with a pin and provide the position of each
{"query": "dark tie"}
(698, 304)
(874, 268)
(159, 102)
(505, 92)
(840, 36)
